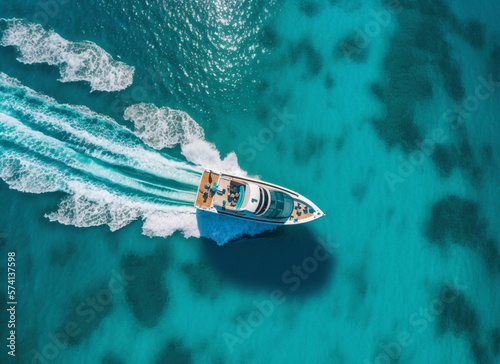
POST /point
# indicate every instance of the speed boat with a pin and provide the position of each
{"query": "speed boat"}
(251, 199)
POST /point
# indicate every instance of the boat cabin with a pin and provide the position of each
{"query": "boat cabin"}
(250, 199)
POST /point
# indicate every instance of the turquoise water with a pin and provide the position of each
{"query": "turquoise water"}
(383, 113)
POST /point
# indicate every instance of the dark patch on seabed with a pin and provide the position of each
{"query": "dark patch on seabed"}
(487, 154)
(352, 49)
(175, 352)
(460, 318)
(347, 5)
(202, 279)
(495, 341)
(145, 291)
(456, 220)
(473, 32)
(268, 37)
(339, 142)
(457, 154)
(306, 147)
(359, 281)
(83, 316)
(309, 7)
(358, 191)
(494, 62)
(305, 50)
(266, 112)
(329, 82)
(418, 46)
(111, 358)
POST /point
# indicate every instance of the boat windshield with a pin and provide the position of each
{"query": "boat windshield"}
(281, 205)
(241, 197)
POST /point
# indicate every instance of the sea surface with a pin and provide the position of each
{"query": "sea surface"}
(384, 113)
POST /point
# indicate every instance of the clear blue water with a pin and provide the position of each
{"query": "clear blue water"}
(385, 114)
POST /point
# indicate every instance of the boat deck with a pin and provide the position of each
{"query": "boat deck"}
(205, 196)
(226, 195)
(301, 211)
(224, 184)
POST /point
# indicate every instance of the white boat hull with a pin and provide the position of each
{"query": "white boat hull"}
(214, 199)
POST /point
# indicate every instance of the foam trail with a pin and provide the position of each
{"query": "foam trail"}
(109, 175)
(95, 135)
(93, 202)
(164, 128)
(88, 203)
(77, 61)
(38, 143)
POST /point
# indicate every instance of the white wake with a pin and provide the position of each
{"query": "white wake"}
(77, 61)
(48, 147)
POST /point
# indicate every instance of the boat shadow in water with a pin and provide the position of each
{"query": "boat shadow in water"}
(289, 258)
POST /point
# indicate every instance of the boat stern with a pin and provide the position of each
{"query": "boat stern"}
(207, 191)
